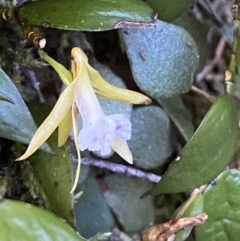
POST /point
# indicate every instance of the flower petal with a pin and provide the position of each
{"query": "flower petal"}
(123, 126)
(65, 128)
(121, 148)
(97, 136)
(105, 89)
(75, 133)
(63, 73)
(85, 98)
(56, 116)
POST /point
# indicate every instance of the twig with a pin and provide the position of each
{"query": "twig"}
(211, 64)
(203, 93)
(119, 168)
(29, 72)
(195, 193)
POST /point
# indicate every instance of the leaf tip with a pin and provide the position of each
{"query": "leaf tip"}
(146, 194)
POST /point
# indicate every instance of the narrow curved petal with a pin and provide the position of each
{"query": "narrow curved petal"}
(105, 89)
(63, 73)
(65, 128)
(122, 149)
(56, 116)
(75, 133)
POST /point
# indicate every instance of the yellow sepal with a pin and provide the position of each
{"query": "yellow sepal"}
(63, 73)
(53, 120)
(104, 89)
(65, 128)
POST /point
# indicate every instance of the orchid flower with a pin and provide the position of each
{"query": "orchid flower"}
(99, 133)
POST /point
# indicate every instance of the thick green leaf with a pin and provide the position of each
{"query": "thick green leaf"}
(91, 210)
(123, 196)
(153, 137)
(163, 59)
(222, 204)
(5, 98)
(16, 122)
(207, 153)
(94, 15)
(195, 208)
(199, 34)
(168, 10)
(24, 222)
(179, 114)
(237, 54)
(236, 89)
(54, 173)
